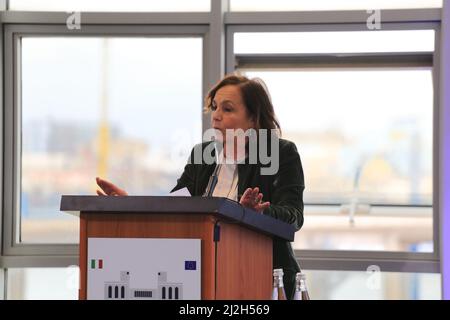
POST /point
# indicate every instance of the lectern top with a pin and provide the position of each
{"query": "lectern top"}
(221, 207)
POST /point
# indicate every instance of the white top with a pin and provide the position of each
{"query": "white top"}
(227, 182)
(227, 179)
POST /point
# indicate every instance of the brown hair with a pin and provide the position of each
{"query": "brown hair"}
(256, 99)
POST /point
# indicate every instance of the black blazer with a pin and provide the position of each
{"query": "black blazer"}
(284, 190)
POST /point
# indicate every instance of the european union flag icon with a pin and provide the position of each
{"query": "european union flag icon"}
(190, 265)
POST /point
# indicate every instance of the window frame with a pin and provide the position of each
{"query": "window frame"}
(444, 154)
(352, 259)
(12, 150)
(3, 6)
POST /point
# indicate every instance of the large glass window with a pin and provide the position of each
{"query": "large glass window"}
(127, 109)
(110, 5)
(372, 285)
(319, 5)
(62, 284)
(334, 42)
(42, 283)
(364, 134)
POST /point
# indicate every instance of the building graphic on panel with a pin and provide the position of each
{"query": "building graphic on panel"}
(121, 290)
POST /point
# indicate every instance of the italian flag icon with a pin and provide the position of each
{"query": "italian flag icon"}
(96, 263)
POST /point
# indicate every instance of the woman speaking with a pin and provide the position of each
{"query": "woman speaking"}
(239, 104)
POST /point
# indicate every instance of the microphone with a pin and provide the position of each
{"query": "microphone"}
(212, 182)
(214, 176)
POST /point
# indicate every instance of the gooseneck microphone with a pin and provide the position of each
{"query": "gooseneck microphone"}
(215, 175)
(212, 182)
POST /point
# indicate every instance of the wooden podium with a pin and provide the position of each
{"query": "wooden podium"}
(236, 243)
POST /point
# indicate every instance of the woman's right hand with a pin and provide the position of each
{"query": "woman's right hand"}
(109, 189)
(252, 199)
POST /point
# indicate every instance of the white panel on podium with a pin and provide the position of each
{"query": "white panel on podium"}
(144, 269)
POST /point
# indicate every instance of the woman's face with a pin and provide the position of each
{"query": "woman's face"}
(228, 110)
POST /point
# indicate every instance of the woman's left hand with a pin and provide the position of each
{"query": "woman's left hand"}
(252, 199)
